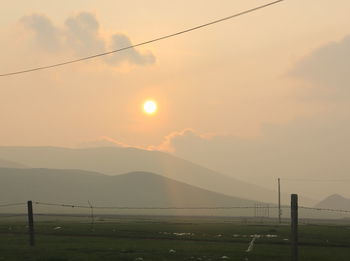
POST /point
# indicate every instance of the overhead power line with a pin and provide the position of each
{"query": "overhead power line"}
(143, 43)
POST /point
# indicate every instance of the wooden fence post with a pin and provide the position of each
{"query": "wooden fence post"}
(294, 227)
(279, 202)
(31, 223)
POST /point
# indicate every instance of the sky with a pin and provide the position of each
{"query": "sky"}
(258, 97)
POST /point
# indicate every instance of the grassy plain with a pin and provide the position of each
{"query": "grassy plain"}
(168, 238)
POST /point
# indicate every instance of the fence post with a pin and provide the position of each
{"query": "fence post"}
(31, 223)
(92, 216)
(279, 202)
(294, 227)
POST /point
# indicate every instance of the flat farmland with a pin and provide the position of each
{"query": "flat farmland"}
(165, 238)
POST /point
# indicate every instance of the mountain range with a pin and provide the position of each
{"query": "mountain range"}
(114, 161)
(135, 189)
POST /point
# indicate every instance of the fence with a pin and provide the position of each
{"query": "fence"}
(97, 221)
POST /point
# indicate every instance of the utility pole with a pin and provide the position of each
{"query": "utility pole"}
(279, 201)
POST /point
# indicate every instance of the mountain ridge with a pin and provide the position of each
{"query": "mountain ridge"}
(135, 189)
(10, 164)
(112, 161)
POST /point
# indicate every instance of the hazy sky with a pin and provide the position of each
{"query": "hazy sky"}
(261, 96)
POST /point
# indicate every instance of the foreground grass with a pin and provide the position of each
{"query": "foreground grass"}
(154, 240)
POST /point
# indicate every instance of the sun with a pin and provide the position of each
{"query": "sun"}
(150, 107)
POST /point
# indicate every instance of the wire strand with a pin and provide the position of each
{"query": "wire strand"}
(143, 43)
(12, 204)
(326, 209)
(188, 208)
(145, 208)
(316, 180)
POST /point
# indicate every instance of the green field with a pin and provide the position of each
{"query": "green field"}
(155, 238)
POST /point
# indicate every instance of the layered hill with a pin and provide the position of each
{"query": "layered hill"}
(335, 202)
(112, 161)
(10, 164)
(136, 189)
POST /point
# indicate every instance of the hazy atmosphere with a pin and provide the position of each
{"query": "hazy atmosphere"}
(256, 98)
(175, 130)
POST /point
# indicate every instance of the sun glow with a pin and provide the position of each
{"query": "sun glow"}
(150, 107)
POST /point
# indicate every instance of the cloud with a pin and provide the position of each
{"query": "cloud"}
(309, 148)
(313, 148)
(119, 41)
(81, 35)
(170, 143)
(46, 35)
(327, 66)
(174, 140)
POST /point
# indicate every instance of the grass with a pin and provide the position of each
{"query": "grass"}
(152, 239)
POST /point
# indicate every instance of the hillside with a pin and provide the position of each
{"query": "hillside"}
(114, 161)
(10, 164)
(335, 202)
(136, 189)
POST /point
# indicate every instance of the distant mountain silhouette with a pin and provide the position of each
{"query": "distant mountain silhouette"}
(136, 189)
(10, 164)
(112, 161)
(335, 202)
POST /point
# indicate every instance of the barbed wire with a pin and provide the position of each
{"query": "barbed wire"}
(171, 208)
(187, 208)
(13, 215)
(82, 215)
(12, 204)
(61, 205)
(326, 209)
(151, 207)
(315, 180)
